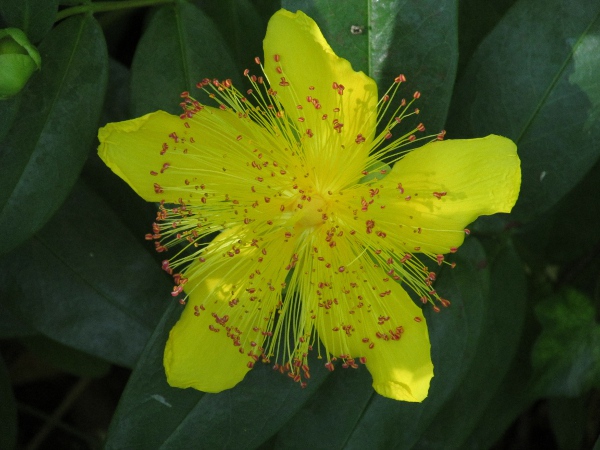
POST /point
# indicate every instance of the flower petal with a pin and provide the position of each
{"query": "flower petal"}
(374, 318)
(132, 150)
(164, 157)
(311, 68)
(435, 191)
(230, 310)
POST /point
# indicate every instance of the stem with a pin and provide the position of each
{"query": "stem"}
(108, 6)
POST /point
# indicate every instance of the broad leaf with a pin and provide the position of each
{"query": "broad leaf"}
(44, 151)
(34, 17)
(534, 79)
(152, 414)
(8, 410)
(502, 324)
(86, 282)
(388, 37)
(566, 355)
(180, 47)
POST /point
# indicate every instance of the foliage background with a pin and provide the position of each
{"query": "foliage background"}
(83, 300)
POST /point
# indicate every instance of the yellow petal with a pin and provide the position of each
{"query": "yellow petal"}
(230, 309)
(401, 368)
(435, 191)
(311, 68)
(164, 157)
(132, 150)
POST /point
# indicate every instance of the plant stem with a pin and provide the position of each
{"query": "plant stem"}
(108, 6)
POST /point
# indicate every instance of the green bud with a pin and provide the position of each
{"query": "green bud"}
(18, 60)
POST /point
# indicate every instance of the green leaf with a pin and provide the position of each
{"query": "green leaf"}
(475, 20)
(180, 47)
(534, 80)
(385, 38)
(346, 413)
(44, 152)
(241, 27)
(568, 417)
(556, 236)
(151, 414)
(514, 395)
(34, 17)
(8, 113)
(566, 355)
(502, 325)
(66, 358)
(85, 281)
(8, 410)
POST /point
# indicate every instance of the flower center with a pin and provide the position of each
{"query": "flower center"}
(313, 212)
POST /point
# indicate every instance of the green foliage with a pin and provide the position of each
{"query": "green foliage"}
(566, 354)
(80, 287)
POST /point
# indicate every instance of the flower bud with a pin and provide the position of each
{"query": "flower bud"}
(18, 60)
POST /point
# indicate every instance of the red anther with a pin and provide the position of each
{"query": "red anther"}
(467, 231)
(436, 309)
(257, 60)
(309, 133)
(371, 345)
(279, 69)
(153, 173)
(385, 98)
(284, 82)
(300, 119)
(400, 79)
(452, 265)
(341, 269)
(388, 135)
(417, 94)
(340, 90)
(276, 57)
(246, 72)
(423, 299)
(439, 195)
(250, 364)
(157, 188)
(418, 319)
(421, 127)
(445, 302)
(453, 249)
(334, 85)
(407, 198)
(360, 139)
(412, 137)
(440, 136)
(439, 259)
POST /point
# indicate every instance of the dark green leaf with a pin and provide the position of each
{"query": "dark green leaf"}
(84, 281)
(386, 38)
(241, 27)
(8, 113)
(346, 413)
(10, 325)
(180, 47)
(568, 417)
(44, 152)
(555, 235)
(66, 358)
(476, 19)
(34, 17)
(502, 324)
(8, 411)
(514, 395)
(152, 414)
(566, 355)
(534, 80)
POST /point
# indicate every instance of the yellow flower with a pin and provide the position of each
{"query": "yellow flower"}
(317, 234)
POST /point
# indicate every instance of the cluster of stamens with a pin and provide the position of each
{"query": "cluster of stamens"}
(284, 203)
